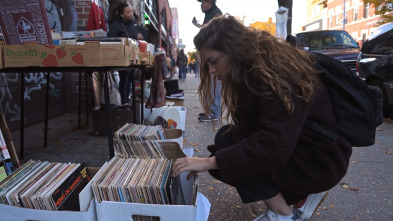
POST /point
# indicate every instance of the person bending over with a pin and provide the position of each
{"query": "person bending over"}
(269, 89)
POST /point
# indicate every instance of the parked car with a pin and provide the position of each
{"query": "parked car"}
(375, 64)
(335, 43)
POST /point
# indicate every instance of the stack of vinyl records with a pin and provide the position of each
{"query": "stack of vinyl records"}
(137, 180)
(45, 185)
(138, 140)
(139, 132)
(142, 149)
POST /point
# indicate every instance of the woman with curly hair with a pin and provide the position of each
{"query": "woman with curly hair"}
(269, 90)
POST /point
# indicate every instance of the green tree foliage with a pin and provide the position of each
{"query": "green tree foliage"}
(384, 8)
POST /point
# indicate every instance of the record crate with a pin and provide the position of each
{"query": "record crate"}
(197, 206)
(86, 201)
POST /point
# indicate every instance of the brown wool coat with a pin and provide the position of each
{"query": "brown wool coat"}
(271, 140)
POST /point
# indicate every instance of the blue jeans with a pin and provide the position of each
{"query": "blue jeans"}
(215, 107)
(182, 72)
(125, 86)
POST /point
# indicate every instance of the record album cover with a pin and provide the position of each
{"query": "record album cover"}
(24, 21)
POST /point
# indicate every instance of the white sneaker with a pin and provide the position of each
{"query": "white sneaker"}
(272, 216)
(307, 207)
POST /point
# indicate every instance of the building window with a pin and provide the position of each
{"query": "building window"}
(330, 24)
(355, 12)
(364, 38)
(366, 10)
(163, 18)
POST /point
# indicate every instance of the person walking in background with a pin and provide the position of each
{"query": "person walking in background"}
(269, 90)
(124, 25)
(291, 40)
(173, 65)
(169, 64)
(181, 62)
(211, 10)
(196, 67)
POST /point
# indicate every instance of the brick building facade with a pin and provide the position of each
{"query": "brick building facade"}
(360, 19)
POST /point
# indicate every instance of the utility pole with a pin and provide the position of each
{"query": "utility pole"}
(344, 17)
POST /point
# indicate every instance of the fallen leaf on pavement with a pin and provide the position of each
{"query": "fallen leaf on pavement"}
(346, 186)
(211, 189)
(193, 144)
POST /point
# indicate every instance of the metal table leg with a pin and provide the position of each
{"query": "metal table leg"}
(133, 95)
(22, 116)
(142, 93)
(108, 115)
(79, 99)
(46, 109)
(86, 96)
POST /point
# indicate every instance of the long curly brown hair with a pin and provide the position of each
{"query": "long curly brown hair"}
(257, 60)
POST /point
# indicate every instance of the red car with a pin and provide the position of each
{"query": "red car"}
(335, 43)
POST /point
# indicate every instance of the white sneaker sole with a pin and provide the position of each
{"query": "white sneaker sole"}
(312, 204)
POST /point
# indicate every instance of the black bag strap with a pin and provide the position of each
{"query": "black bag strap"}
(314, 126)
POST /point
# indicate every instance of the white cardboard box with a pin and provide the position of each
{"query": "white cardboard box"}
(87, 213)
(196, 210)
(109, 211)
(182, 123)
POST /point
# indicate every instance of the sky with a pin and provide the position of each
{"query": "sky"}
(254, 10)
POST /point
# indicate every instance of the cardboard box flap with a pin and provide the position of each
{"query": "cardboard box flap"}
(172, 150)
(30, 43)
(173, 133)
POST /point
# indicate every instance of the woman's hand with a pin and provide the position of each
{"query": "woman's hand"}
(194, 165)
(139, 36)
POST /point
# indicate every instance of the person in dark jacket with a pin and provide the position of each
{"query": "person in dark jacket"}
(124, 25)
(211, 10)
(181, 62)
(269, 90)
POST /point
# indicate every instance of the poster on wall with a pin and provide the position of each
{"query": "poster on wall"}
(24, 20)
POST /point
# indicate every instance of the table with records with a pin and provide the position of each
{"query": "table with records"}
(103, 70)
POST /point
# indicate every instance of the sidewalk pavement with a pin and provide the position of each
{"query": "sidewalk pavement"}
(365, 193)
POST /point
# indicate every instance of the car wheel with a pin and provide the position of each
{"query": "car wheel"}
(387, 109)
